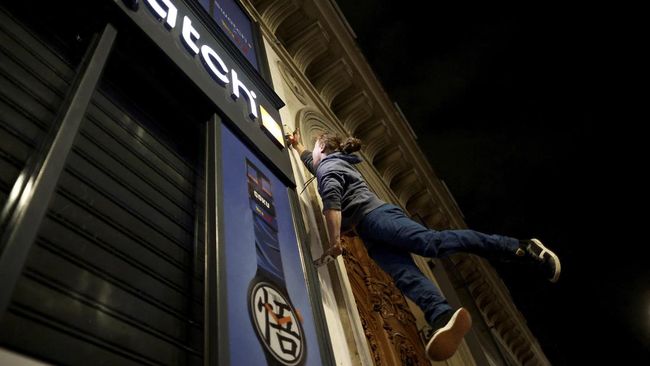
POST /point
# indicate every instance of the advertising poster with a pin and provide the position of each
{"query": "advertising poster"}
(270, 319)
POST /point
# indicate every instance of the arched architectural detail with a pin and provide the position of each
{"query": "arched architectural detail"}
(479, 286)
(390, 163)
(352, 107)
(519, 345)
(505, 328)
(375, 143)
(436, 219)
(395, 168)
(330, 77)
(527, 357)
(418, 202)
(406, 184)
(304, 40)
(372, 128)
(274, 12)
(492, 309)
(312, 123)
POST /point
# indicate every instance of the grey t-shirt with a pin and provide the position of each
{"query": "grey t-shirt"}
(342, 187)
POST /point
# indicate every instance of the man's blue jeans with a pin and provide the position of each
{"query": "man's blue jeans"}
(390, 236)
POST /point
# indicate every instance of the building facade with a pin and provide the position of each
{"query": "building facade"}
(152, 214)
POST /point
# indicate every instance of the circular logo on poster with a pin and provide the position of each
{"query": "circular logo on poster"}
(277, 323)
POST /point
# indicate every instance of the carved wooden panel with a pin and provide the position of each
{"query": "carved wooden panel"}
(387, 321)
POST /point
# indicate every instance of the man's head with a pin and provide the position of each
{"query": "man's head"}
(329, 142)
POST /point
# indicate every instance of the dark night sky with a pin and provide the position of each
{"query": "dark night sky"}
(505, 103)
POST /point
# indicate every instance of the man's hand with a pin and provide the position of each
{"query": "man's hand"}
(294, 141)
(294, 138)
(329, 255)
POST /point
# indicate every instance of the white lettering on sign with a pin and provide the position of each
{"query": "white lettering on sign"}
(214, 65)
(190, 36)
(261, 199)
(169, 15)
(249, 95)
(219, 71)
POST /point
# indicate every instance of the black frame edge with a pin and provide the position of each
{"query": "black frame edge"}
(43, 175)
(312, 281)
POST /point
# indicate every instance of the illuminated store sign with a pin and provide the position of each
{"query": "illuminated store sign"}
(165, 10)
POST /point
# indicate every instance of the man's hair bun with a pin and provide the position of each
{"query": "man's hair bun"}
(351, 145)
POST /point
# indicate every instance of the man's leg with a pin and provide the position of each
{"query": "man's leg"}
(410, 280)
(389, 225)
(449, 326)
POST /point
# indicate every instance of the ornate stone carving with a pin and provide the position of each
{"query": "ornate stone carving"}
(391, 162)
(274, 12)
(419, 203)
(291, 80)
(371, 129)
(312, 123)
(375, 146)
(406, 352)
(306, 42)
(331, 78)
(406, 184)
(353, 108)
(436, 218)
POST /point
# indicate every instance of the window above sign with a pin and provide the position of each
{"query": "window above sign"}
(236, 24)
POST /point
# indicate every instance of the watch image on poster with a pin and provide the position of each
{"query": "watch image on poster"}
(270, 319)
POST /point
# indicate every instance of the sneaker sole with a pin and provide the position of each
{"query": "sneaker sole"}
(446, 340)
(554, 257)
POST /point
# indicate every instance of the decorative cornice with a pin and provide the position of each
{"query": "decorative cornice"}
(418, 202)
(375, 141)
(312, 122)
(331, 78)
(390, 162)
(316, 38)
(353, 107)
(306, 42)
(274, 12)
(436, 218)
(406, 184)
(371, 129)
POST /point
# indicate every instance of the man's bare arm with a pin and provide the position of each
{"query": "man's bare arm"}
(333, 221)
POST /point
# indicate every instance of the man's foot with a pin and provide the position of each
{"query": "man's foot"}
(451, 328)
(536, 251)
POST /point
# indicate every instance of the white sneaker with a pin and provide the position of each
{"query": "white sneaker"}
(548, 261)
(446, 340)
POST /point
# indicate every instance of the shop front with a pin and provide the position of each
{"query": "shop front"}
(149, 211)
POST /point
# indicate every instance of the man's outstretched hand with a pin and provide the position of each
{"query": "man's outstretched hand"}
(294, 138)
(329, 255)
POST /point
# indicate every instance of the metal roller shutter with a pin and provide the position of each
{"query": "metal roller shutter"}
(116, 274)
